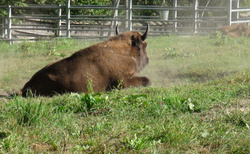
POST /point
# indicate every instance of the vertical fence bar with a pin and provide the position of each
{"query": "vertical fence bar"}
(59, 32)
(229, 12)
(237, 7)
(114, 21)
(195, 16)
(68, 19)
(126, 14)
(2, 25)
(175, 3)
(9, 23)
(5, 27)
(130, 15)
(116, 13)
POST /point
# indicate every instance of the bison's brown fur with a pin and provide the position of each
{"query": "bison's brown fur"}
(236, 30)
(104, 65)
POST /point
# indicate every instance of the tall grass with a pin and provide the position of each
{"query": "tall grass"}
(199, 102)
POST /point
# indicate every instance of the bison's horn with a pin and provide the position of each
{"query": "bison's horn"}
(145, 35)
(116, 30)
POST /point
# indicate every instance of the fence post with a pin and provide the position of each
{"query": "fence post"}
(126, 14)
(175, 3)
(195, 16)
(114, 22)
(59, 33)
(68, 19)
(6, 27)
(229, 12)
(116, 12)
(235, 5)
(130, 15)
(2, 25)
(9, 23)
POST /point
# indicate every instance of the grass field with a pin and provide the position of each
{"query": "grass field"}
(198, 102)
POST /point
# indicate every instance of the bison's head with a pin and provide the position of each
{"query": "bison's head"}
(135, 45)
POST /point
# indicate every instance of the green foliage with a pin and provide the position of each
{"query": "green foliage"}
(238, 118)
(57, 2)
(79, 103)
(135, 142)
(12, 2)
(26, 112)
(90, 86)
(221, 39)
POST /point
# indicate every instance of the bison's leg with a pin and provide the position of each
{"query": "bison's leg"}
(136, 82)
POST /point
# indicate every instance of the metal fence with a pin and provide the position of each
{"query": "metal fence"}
(176, 19)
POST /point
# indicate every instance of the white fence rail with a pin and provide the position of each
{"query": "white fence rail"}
(176, 19)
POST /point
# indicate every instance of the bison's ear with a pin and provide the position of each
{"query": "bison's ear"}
(134, 40)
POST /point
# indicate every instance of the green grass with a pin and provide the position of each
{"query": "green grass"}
(198, 103)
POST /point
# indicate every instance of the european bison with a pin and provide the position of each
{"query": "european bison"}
(105, 65)
(236, 30)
